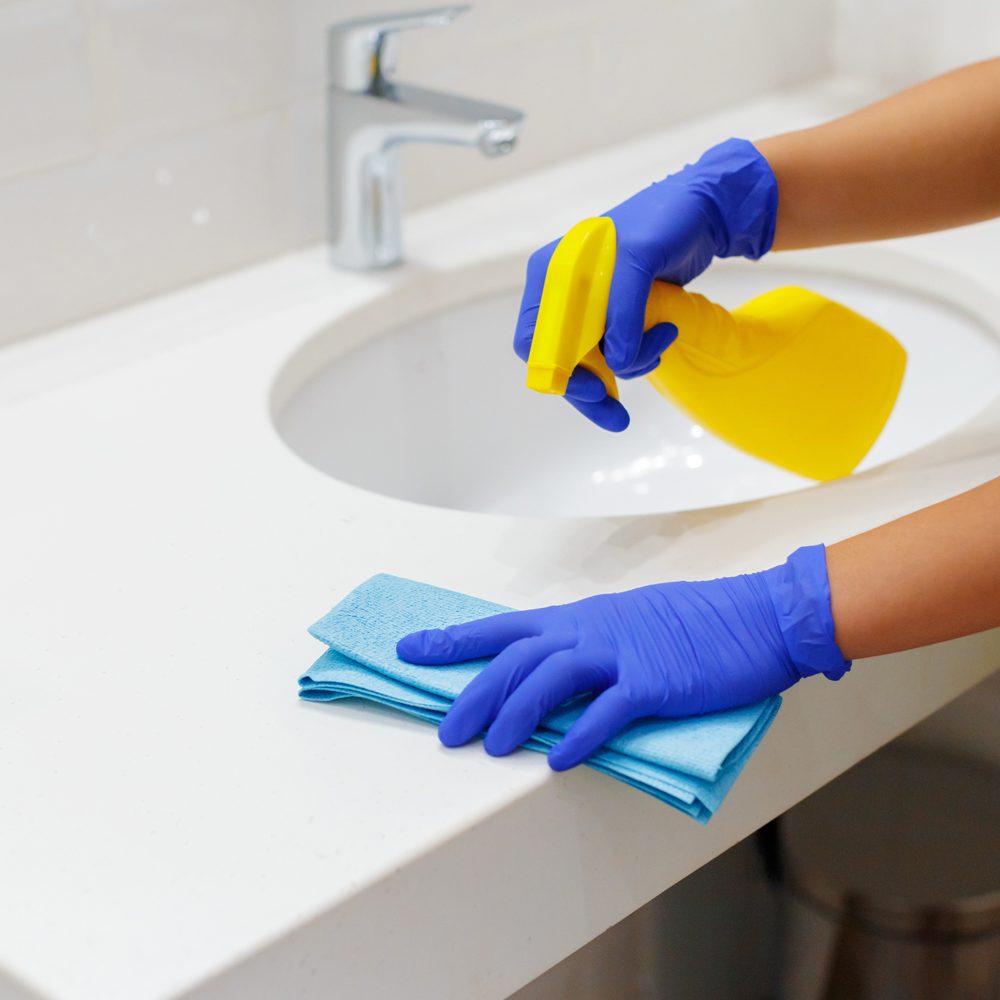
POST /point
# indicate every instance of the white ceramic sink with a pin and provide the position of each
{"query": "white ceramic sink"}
(427, 403)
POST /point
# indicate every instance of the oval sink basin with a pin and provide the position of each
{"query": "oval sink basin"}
(435, 410)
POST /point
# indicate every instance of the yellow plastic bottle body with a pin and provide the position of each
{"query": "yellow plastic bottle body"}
(790, 376)
(795, 378)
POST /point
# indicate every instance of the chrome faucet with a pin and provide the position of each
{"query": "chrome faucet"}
(369, 115)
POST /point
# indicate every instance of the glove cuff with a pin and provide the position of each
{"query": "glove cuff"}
(742, 188)
(800, 592)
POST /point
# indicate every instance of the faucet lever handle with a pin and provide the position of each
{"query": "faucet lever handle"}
(360, 51)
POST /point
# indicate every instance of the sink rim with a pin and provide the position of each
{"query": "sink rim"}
(414, 293)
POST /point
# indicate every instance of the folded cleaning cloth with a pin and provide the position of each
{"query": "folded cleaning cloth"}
(689, 763)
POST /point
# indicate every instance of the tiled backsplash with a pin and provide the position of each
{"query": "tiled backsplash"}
(145, 144)
(904, 41)
(46, 110)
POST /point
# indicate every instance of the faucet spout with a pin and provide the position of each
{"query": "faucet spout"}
(433, 116)
(369, 116)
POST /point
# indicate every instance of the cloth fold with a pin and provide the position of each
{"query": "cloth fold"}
(688, 763)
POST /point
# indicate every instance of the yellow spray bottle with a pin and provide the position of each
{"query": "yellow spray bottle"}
(790, 376)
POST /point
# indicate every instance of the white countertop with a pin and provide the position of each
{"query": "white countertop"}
(177, 823)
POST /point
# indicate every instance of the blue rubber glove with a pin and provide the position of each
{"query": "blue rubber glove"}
(725, 205)
(669, 650)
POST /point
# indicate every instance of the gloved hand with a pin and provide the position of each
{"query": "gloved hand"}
(725, 205)
(673, 649)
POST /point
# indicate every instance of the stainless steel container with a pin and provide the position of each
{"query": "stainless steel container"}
(893, 882)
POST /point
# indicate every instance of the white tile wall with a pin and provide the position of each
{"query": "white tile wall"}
(169, 66)
(148, 143)
(904, 41)
(121, 225)
(46, 111)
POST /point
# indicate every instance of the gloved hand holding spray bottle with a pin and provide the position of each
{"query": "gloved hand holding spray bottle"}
(687, 648)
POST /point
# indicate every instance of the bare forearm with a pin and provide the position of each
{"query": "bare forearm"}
(929, 576)
(924, 159)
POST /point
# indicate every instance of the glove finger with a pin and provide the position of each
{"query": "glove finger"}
(630, 286)
(468, 641)
(608, 413)
(564, 674)
(654, 342)
(585, 386)
(534, 281)
(605, 717)
(483, 697)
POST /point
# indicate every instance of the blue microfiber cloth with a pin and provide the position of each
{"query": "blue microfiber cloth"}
(688, 763)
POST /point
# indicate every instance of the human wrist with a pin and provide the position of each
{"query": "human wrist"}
(740, 189)
(799, 590)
